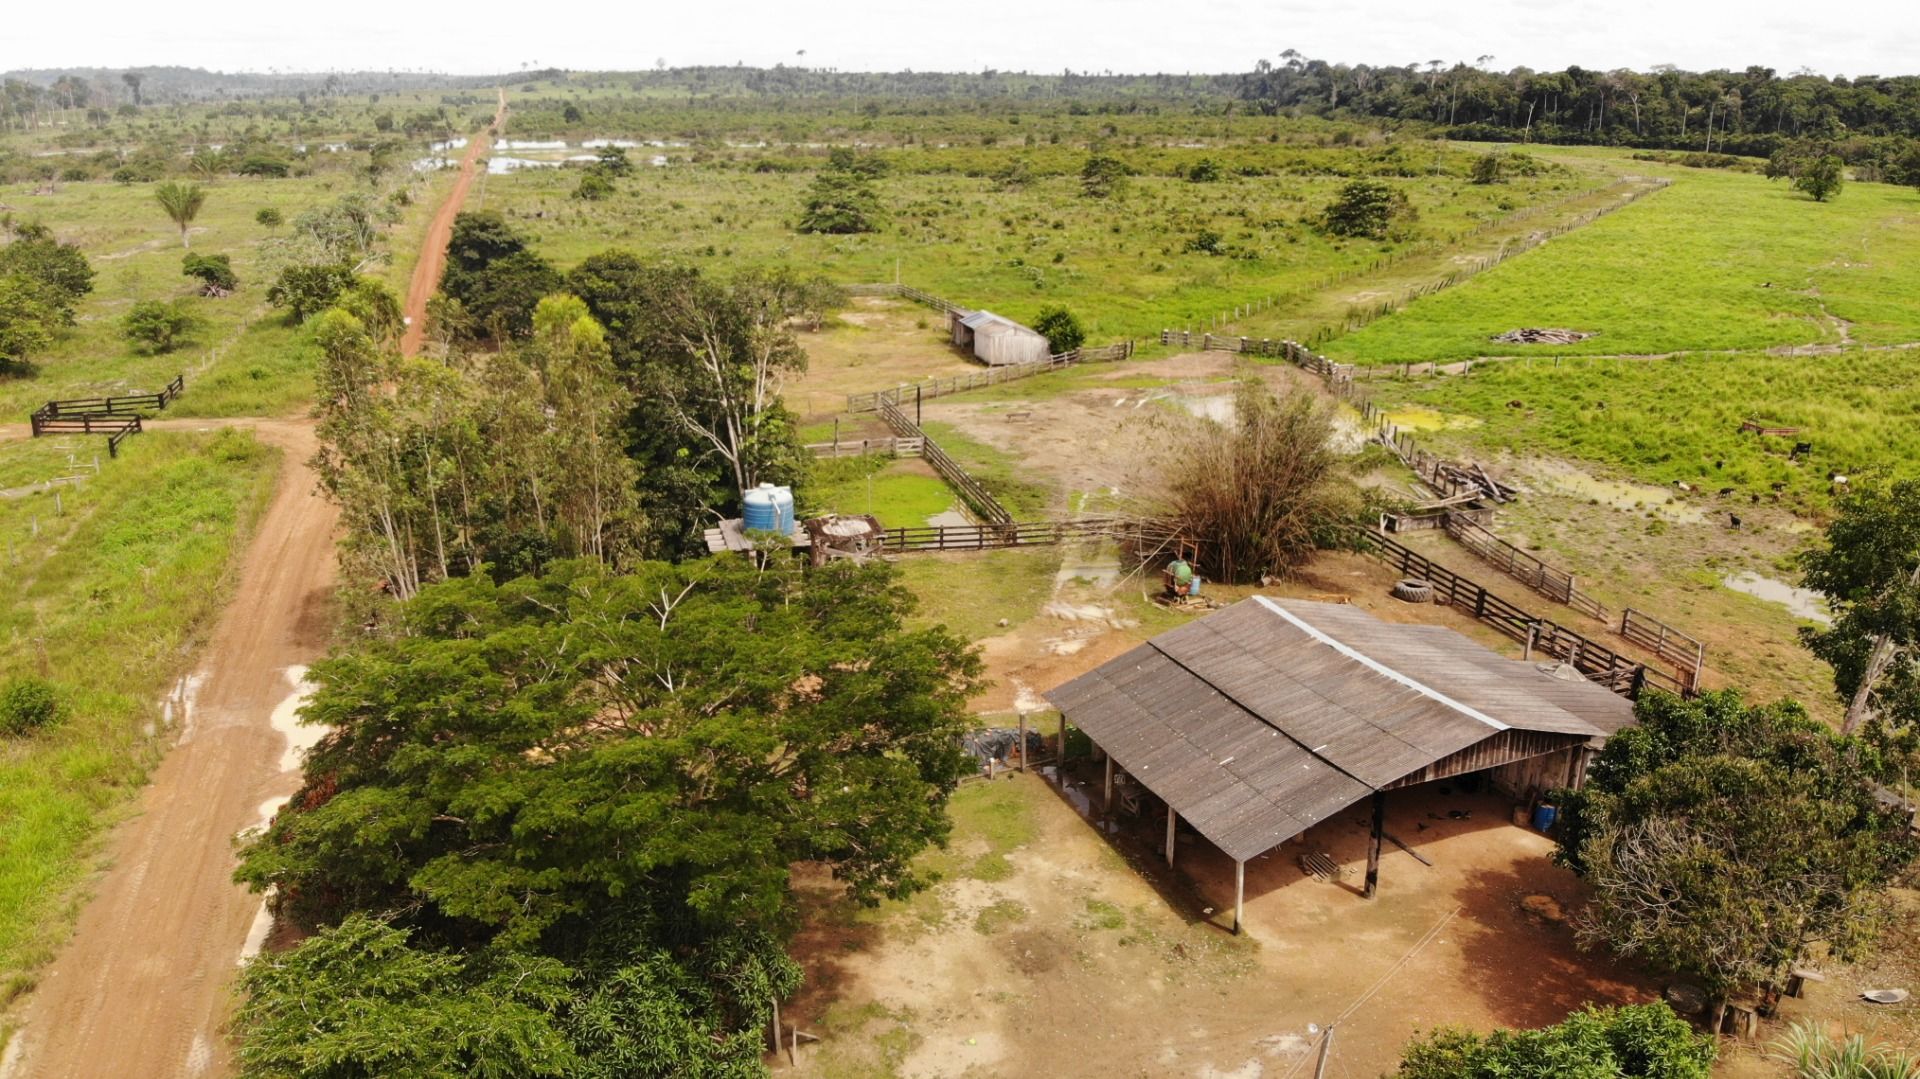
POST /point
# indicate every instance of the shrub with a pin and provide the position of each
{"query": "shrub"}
(155, 326)
(1204, 171)
(27, 704)
(1647, 1041)
(1487, 169)
(1061, 328)
(1371, 209)
(214, 272)
(269, 217)
(594, 186)
(841, 202)
(1103, 176)
(306, 291)
(1205, 242)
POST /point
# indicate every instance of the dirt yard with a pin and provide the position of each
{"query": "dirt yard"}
(875, 343)
(1055, 946)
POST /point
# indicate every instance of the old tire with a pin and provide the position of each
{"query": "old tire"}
(1413, 590)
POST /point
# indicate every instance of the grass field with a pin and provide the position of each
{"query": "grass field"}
(107, 596)
(1124, 265)
(243, 360)
(1720, 260)
(1679, 419)
(902, 493)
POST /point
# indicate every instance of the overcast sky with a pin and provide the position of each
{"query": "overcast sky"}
(1845, 37)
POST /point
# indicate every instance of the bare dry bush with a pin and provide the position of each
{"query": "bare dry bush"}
(1254, 496)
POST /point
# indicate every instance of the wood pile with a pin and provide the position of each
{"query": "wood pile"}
(1469, 477)
(1534, 336)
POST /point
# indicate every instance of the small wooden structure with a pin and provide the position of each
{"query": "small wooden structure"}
(843, 536)
(1257, 723)
(995, 340)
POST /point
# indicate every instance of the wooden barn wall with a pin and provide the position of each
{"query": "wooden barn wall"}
(1535, 775)
(1501, 751)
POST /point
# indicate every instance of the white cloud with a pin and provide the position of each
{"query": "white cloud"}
(1850, 37)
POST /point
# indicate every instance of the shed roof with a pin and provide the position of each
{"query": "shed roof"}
(1259, 721)
(987, 321)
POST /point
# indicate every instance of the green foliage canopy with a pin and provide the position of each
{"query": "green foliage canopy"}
(493, 274)
(1372, 209)
(1722, 839)
(1061, 328)
(156, 326)
(1638, 1041)
(1868, 568)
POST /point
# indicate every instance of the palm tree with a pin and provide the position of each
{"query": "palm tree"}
(182, 202)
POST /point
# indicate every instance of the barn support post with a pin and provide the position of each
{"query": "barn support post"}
(1106, 797)
(1023, 743)
(1239, 893)
(1373, 846)
(1173, 819)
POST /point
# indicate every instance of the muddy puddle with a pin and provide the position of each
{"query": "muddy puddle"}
(1632, 497)
(1801, 602)
(1413, 418)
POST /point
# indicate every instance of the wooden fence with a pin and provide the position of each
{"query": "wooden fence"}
(992, 376)
(987, 537)
(1555, 584)
(906, 292)
(861, 447)
(132, 404)
(1596, 661)
(976, 497)
(1689, 653)
(1357, 316)
(116, 417)
(117, 428)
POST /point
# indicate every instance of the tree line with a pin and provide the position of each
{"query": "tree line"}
(1750, 112)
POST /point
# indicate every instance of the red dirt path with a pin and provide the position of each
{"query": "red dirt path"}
(142, 988)
(433, 253)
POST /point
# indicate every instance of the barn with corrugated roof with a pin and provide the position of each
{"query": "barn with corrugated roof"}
(1260, 721)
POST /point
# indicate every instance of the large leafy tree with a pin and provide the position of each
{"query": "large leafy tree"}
(1721, 840)
(705, 363)
(1372, 209)
(615, 772)
(841, 201)
(41, 283)
(1869, 570)
(493, 275)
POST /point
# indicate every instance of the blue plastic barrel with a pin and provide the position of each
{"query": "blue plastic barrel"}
(1543, 817)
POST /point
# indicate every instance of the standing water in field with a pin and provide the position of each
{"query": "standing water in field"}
(1633, 497)
(1802, 602)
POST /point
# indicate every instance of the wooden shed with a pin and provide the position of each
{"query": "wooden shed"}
(1258, 722)
(994, 340)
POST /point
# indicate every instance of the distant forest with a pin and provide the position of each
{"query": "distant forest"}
(1751, 112)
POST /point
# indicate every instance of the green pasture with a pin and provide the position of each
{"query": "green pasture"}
(1127, 265)
(902, 493)
(1679, 418)
(108, 591)
(242, 359)
(1719, 260)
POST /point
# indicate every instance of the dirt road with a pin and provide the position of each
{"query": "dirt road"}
(433, 253)
(142, 989)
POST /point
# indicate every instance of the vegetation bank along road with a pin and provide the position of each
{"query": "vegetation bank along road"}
(433, 253)
(142, 989)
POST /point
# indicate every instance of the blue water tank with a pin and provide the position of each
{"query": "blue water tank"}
(769, 509)
(1543, 817)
